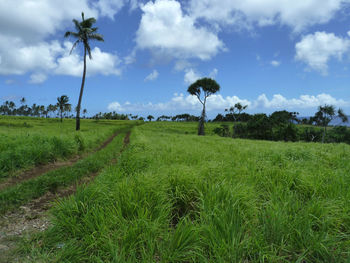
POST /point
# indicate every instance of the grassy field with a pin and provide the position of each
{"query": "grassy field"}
(177, 197)
(27, 142)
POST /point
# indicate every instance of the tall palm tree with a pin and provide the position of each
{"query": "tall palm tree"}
(62, 104)
(85, 33)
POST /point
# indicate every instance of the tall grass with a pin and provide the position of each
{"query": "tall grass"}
(26, 142)
(177, 197)
(13, 197)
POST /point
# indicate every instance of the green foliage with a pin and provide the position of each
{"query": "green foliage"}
(207, 199)
(202, 89)
(13, 197)
(45, 140)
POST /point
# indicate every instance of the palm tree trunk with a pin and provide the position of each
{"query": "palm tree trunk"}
(201, 122)
(77, 126)
(61, 113)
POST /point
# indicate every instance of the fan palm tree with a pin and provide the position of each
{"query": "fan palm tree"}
(85, 32)
(62, 104)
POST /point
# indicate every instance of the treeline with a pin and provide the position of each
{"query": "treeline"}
(62, 109)
(282, 126)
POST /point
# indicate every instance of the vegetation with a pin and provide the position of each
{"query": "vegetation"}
(63, 105)
(21, 193)
(85, 33)
(26, 142)
(177, 197)
(235, 112)
(325, 115)
(202, 89)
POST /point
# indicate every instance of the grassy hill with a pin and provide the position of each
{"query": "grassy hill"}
(177, 197)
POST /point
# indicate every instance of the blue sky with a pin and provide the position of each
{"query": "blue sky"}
(271, 55)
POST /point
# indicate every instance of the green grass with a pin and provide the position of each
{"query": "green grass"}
(26, 142)
(178, 197)
(13, 197)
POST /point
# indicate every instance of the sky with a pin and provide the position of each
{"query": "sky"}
(270, 55)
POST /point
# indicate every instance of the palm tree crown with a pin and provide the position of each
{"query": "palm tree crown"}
(85, 33)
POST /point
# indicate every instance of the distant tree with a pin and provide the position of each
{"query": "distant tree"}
(325, 115)
(284, 117)
(85, 33)
(150, 117)
(203, 88)
(236, 111)
(141, 118)
(12, 108)
(62, 105)
(134, 117)
(84, 113)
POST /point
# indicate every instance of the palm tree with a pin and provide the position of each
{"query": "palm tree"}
(62, 104)
(84, 112)
(85, 33)
(207, 87)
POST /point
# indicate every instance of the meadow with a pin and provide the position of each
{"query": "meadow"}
(177, 197)
(28, 142)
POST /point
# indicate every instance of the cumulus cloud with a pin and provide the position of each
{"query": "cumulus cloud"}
(213, 73)
(101, 63)
(191, 76)
(216, 102)
(25, 27)
(303, 102)
(152, 76)
(297, 14)
(165, 29)
(37, 78)
(317, 49)
(275, 63)
(34, 20)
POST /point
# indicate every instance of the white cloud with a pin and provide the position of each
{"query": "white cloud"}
(101, 63)
(37, 78)
(34, 20)
(317, 49)
(213, 73)
(109, 7)
(25, 27)
(19, 58)
(275, 63)
(191, 76)
(303, 102)
(297, 14)
(164, 29)
(182, 65)
(152, 76)
(217, 102)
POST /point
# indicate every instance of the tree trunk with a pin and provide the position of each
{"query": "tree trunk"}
(324, 134)
(61, 115)
(77, 127)
(201, 122)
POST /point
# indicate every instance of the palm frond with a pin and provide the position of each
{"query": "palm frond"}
(88, 48)
(74, 45)
(88, 22)
(97, 37)
(73, 34)
(77, 25)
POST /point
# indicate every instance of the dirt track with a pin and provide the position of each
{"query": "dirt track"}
(40, 170)
(33, 217)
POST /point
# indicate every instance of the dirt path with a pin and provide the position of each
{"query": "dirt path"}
(39, 170)
(33, 217)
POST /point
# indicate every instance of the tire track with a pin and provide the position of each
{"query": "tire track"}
(40, 170)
